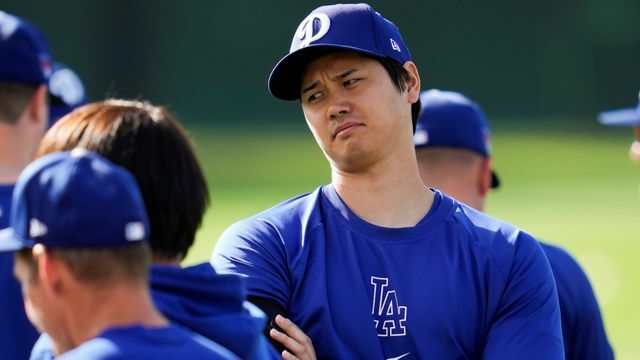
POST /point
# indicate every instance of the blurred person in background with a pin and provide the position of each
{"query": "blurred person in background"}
(148, 141)
(66, 92)
(25, 66)
(453, 150)
(629, 117)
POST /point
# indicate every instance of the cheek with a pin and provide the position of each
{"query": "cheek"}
(32, 305)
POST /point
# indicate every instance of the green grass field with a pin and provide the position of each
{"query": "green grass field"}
(566, 184)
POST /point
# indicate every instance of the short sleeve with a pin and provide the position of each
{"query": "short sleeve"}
(255, 249)
(527, 324)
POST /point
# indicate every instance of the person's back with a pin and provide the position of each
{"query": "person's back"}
(149, 142)
(79, 231)
(453, 154)
(25, 64)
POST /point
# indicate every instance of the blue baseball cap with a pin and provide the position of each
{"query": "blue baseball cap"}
(340, 27)
(621, 117)
(66, 92)
(75, 199)
(24, 52)
(450, 119)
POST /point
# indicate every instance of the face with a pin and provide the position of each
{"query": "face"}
(355, 112)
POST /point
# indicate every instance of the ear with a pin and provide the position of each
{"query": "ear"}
(484, 176)
(49, 269)
(413, 84)
(38, 106)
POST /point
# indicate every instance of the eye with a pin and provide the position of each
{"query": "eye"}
(351, 82)
(314, 96)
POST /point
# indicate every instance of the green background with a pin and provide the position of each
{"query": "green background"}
(540, 69)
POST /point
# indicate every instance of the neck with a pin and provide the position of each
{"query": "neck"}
(14, 154)
(389, 194)
(96, 310)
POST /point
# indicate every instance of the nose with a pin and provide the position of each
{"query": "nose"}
(339, 106)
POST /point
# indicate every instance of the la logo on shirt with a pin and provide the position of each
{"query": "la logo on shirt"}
(388, 316)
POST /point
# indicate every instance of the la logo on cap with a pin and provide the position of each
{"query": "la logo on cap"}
(305, 29)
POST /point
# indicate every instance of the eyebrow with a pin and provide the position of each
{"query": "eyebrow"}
(340, 76)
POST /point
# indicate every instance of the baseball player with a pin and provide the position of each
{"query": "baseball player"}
(79, 230)
(25, 65)
(625, 117)
(452, 143)
(66, 92)
(149, 142)
(375, 265)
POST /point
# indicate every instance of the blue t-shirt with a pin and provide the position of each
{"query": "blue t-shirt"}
(17, 335)
(209, 304)
(582, 328)
(458, 285)
(137, 342)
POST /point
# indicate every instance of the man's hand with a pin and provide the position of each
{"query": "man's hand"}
(299, 345)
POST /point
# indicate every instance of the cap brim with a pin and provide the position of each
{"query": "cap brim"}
(9, 241)
(495, 181)
(623, 117)
(285, 78)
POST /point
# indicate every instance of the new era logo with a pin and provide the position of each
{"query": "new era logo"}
(395, 46)
(37, 228)
(134, 231)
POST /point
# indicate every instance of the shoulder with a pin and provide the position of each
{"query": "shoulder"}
(487, 230)
(287, 219)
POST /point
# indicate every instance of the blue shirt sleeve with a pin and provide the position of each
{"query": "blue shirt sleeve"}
(255, 249)
(527, 324)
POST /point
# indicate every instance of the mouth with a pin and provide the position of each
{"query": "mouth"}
(345, 128)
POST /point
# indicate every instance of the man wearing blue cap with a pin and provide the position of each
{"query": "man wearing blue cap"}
(66, 92)
(376, 265)
(79, 230)
(625, 117)
(452, 143)
(25, 65)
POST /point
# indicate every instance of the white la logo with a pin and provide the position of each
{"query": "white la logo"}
(388, 316)
(305, 30)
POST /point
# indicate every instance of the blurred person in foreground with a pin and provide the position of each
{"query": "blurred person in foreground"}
(375, 265)
(148, 141)
(79, 232)
(452, 142)
(25, 66)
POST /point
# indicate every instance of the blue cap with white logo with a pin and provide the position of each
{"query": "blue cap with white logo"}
(24, 52)
(450, 119)
(75, 199)
(66, 92)
(621, 117)
(340, 27)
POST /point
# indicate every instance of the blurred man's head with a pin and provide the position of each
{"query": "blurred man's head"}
(79, 228)
(452, 142)
(149, 142)
(66, 92)
(25, 66)
(625, 117)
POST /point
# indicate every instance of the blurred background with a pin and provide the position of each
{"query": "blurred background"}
(540, 69)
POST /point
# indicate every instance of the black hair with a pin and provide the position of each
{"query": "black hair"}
(400, 76)
(149, 142)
